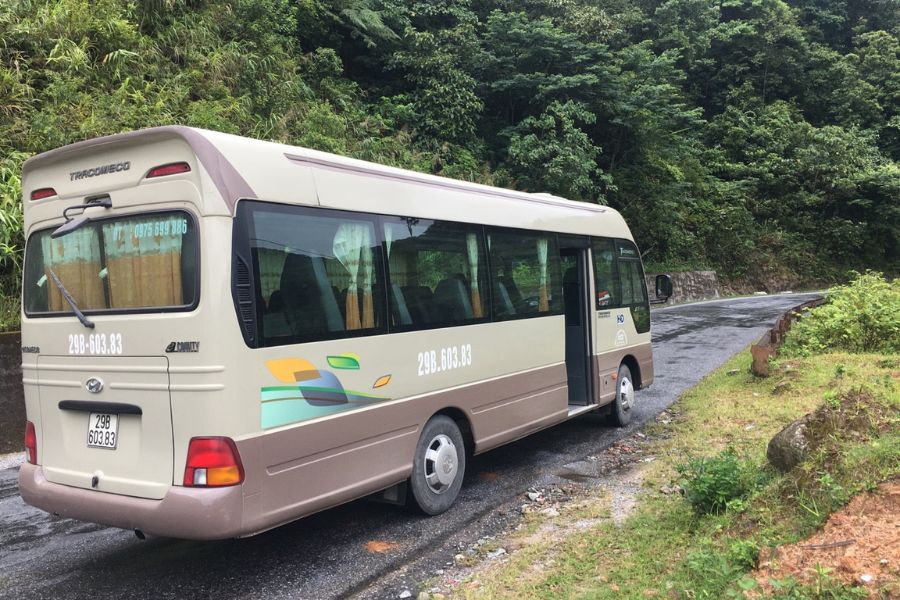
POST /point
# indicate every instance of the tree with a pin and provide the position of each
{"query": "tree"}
(550, 153)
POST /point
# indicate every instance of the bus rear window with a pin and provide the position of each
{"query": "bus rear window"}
(123, 264)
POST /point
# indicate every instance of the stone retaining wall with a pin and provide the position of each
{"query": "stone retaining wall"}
(767, 346)
(688, 286)
(12, 398)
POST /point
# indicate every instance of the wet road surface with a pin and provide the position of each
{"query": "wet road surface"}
(325, 556)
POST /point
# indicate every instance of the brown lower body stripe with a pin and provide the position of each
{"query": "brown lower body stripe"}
(289, 475)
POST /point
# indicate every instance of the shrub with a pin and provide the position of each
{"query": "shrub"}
(715, 484)
(862, 316)
(10, 239)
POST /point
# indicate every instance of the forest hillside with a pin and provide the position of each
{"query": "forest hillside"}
(760, 138)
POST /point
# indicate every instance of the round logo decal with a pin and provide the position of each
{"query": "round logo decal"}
(94, 385)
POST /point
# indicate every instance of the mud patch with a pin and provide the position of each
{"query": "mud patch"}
(859, 545)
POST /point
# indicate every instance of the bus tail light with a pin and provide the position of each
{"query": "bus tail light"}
(42, 193)
(213, 462)
(169, 169)
(30, 443)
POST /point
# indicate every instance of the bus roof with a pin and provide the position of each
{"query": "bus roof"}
(240, 167)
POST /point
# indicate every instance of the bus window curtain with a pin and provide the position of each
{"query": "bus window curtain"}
(543, 302)
(271, 265)
(348, 242)
(399, 267)
(142, 271)
(368, 316)
(75, 258)
(472, 250)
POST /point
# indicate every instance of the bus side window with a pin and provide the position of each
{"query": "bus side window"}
(437, 269)
(318, 274)
(525, 274)
(634, 288)
(606, 284)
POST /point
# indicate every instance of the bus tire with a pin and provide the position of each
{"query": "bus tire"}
(623, 405)
(438, 468)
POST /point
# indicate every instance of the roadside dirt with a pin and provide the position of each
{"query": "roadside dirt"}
(600, 489)
(859, 545)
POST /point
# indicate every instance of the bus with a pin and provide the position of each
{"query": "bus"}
(221, 335)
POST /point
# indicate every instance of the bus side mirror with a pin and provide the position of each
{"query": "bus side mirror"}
(663, 287)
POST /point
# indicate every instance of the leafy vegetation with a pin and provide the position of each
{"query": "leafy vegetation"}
(713, 484)
(757, 137)
(862, 316)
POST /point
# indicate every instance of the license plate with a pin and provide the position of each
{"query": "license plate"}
(103, 430)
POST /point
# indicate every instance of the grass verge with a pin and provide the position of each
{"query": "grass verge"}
(668, 548)
(9, 313)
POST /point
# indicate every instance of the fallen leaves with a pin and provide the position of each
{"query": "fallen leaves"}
(379, 547)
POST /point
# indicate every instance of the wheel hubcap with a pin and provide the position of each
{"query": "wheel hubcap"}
(626, 393)
(441, 464)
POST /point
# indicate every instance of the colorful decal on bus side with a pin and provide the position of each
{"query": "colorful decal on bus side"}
(311, 392)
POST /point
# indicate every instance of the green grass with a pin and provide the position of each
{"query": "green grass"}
(668, 549)
(9, 313)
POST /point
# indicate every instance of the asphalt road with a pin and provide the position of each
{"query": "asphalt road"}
(325, 556)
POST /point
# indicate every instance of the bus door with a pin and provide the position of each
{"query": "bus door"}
(576, 299)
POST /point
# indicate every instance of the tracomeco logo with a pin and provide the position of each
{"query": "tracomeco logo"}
(101, 170)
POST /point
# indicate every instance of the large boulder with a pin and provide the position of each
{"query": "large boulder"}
(789, 446)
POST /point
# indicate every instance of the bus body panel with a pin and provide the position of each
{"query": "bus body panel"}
(616, 338)
(140, 464)
(606, 367)
(313, 466)
(188, 513)
(340, 452)
(351, 190)
(72, 170)
(67, 174)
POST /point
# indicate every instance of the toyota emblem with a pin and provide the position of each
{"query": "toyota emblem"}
(94, 385)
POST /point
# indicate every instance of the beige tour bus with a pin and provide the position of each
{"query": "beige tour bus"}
(221, 335)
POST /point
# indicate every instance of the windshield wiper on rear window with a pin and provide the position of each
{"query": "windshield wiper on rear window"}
(65, 294)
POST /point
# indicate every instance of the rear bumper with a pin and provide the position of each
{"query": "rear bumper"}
(188, 513)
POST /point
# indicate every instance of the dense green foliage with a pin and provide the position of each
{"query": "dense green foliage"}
(862, 316)
(758, 137)
(713, 484)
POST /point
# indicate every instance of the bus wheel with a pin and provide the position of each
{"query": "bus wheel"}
(623, 405)
(440, 463)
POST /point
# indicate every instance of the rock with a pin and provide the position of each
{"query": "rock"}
(496, 553)
(550, 512)
(406, 594)
(789, 446)
(672, 488)
(781, 387)
(734, 371)
(761, 352)
(533, 496)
